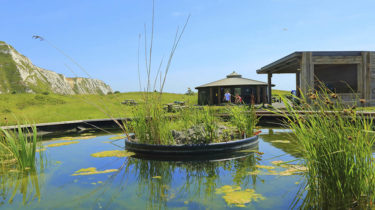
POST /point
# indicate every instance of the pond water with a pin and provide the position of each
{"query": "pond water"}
(249, 180)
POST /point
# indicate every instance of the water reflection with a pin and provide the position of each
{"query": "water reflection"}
(24, 183)
(155, 178)
(282, 139)
(147, 182)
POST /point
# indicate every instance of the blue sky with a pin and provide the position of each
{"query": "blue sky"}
(222, 35)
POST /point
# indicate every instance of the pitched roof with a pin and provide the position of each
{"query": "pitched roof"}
(233, 79)
(292, 62)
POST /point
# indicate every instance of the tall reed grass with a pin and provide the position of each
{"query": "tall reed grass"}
(151, 125)
(336, 142)
(244, 118)
(18, 148)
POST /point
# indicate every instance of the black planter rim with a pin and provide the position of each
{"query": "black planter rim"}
(187, 149)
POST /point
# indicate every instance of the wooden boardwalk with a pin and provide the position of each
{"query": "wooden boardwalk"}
(81, 125)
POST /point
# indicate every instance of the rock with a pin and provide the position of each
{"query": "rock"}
(222, 127)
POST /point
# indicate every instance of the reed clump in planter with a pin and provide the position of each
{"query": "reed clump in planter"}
(152, 125)
(192, 126)
(336, 141)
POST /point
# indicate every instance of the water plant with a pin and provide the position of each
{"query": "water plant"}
(244, 118)
(18, 149)
(150, 124)
(210, 125)
(336, 143)
(18, 163)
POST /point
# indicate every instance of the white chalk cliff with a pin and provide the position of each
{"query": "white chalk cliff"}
(18, 74)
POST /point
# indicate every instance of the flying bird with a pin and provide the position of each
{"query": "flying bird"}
(38, 37)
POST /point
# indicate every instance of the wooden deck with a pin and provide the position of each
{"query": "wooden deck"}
(267, 118)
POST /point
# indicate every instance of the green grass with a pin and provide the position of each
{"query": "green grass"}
(39, 108)
(280, 92)
(10, 78)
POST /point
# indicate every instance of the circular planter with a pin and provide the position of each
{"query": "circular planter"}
(193, 149)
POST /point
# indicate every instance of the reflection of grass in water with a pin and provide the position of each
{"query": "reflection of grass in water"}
(26, 183)
(200, 179)
(274, 139)
(23, 182)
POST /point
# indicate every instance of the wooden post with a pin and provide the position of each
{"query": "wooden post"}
(371, 77)
(211, 96)
(307, 73)
(264, 89)
(364, 80)
(218, 96)
(269, 88)
(258, 95)
(298, 84)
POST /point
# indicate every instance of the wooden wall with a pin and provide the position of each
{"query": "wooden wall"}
(371, 77)
(365, 73)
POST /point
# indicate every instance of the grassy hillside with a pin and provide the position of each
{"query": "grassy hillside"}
(39, 108)
(10, 79)
(280, 92)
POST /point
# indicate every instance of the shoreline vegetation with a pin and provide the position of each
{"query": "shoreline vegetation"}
(337, 150)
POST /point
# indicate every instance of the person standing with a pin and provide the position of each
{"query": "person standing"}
(227, 97)
(238, 99)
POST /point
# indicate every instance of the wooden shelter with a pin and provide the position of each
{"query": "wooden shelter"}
(350, 74)
(251, 91)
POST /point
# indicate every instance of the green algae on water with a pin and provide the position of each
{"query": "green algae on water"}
(113, 153)
(277, 162)
(62, 144)
(91, 171)
(281, 141)
(227, 189)
(265, 167)
(290, 169)
(70, 138)
(117, 137)
(233, 195)
(41, 150)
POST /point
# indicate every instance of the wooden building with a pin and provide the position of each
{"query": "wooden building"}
(249, 90)
(351, 74)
